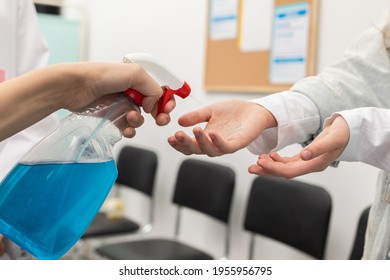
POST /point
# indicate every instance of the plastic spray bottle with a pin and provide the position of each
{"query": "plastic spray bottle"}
(53, 193)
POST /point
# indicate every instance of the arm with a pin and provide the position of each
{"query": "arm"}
(233, 124)
(362, 134)
(28, 98)
(359, 79)
(370, 136)
(297, 117)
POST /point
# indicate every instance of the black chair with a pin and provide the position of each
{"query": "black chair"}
(358, 244)
(289, 211)
(201, 186)
(136, 170)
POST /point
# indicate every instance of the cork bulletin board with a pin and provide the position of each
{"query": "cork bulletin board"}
(230, 68)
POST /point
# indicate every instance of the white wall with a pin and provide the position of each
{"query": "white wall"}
(174, 31)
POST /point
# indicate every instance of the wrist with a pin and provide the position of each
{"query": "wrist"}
(67, 84)
(269, 119)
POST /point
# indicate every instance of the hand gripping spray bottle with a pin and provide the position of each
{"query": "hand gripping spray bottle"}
(51, 196)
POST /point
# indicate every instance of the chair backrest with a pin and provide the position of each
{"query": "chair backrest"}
(358, 244)
(206, 187)
(137, 169)
(292, 212)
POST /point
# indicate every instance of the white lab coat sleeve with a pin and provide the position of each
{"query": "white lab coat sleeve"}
(369, 136)
(32, 51)
(297, 117)
(23, 35)
(359, 79)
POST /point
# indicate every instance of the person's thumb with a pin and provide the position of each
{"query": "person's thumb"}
(318, 148)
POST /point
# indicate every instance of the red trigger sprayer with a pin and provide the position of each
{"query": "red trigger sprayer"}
(173, 85)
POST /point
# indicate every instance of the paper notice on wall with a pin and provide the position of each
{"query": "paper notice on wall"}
(223, 19)
(289, 43)
(256, 25)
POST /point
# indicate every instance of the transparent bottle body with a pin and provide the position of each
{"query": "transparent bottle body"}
(51, 196)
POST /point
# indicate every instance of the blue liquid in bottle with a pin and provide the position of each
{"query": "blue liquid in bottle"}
(45, 208)
(51, 196)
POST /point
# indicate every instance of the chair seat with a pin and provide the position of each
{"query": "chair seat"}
(152, 249)
(103, 226)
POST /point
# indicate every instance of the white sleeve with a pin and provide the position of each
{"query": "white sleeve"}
(29, 53)
(298, 120)
(369, 136)
(32, 51)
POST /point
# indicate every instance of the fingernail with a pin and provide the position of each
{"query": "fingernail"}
(306, 155)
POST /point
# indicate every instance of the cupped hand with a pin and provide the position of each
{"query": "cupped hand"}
(316, 157)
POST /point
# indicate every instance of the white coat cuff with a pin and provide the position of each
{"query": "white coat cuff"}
(297, 117)
(350, 151)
